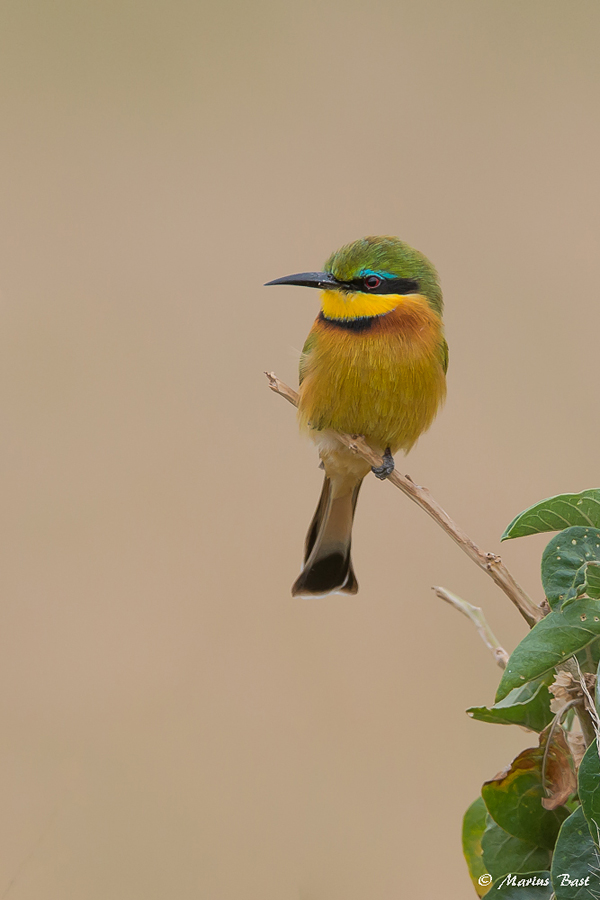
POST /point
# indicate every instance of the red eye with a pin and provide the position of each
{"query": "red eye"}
(372, 282)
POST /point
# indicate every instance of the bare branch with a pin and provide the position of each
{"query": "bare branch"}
(475, 614)
(489, 562)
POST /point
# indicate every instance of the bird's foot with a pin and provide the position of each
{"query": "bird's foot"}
(385, 470)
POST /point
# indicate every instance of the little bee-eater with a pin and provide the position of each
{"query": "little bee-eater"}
(374, 364)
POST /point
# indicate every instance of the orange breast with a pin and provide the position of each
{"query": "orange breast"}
(385, 382)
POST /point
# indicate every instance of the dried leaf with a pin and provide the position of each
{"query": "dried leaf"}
(559, 771)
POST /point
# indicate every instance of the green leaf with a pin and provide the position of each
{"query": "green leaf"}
(570, 566)
(514, 797)
(592, 577)
(527, 886)
(589, 657)
(504, 853)
(575, 860)
(528, 706)
(589, 789)
(474, 823)
(557, 513)
(553, 640)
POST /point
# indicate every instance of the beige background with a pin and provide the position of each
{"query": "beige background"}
(173, 724)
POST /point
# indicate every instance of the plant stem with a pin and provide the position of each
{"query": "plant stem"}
(475, 614)
(587, 724)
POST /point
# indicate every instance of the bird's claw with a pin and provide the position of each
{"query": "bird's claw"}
(385, 470)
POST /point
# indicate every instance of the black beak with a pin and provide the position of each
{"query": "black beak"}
(322, 280)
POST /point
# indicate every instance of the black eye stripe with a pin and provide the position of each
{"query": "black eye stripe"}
(386, 286)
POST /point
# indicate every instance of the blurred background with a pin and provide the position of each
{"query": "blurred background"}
(173, 723)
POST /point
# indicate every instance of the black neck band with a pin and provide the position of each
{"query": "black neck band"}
(360, 323)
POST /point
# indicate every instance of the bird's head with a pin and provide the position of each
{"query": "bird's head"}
(381, 268)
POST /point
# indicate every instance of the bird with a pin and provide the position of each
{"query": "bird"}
(374, 364)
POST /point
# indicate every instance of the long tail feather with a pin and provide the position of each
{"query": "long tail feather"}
(313, 531)
(327, 562)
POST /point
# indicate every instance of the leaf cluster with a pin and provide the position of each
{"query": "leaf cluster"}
(534, 832)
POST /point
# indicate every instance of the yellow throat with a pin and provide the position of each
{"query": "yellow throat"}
(339, 305)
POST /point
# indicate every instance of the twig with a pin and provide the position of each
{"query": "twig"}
(588, 717)
(475, 614)
(489, 562)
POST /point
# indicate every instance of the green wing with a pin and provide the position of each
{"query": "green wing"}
(311, 340)
(444, 355)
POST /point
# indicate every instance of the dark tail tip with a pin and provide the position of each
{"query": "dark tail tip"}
(326, 575)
